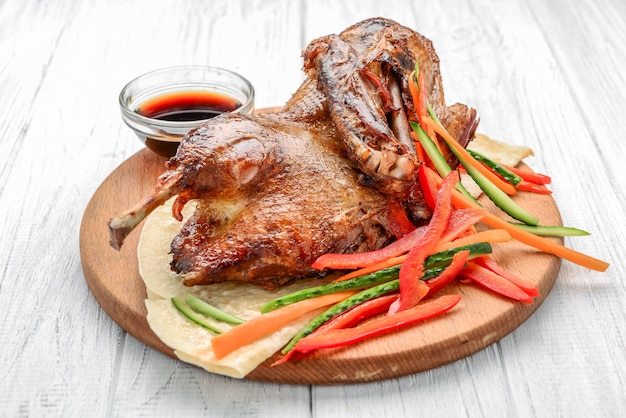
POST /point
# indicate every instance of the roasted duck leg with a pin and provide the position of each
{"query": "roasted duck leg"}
(275, 191)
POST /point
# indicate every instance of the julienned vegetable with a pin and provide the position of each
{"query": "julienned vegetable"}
(412, 290)
(494, 189)
(344, 305)
(436, 157)
(500, 170)
(194, 316)
(352, 302)
(552, 230)
(432, 266)
(495, 282)
(207, 309)
(393, 282)
(525, 285)
(528, 238)
(344, 336)
(269, 323)
(530, 176)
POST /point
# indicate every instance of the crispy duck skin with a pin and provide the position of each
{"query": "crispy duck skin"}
(308, 203)
(275, 191)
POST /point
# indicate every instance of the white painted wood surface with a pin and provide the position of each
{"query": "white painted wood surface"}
(545, 74)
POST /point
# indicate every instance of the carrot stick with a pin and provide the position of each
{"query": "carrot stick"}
(415, 95)
(419, 150)
(268, 323)
(418, 95)
(528, 175)
(546, 245)
(423, 108)
(491, 235)
(390, 262)
(528, 238)
(501, 184)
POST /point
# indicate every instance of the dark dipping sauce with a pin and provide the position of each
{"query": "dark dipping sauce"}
(184, 106)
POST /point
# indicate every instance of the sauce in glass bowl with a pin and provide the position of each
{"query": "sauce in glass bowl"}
(163, 105)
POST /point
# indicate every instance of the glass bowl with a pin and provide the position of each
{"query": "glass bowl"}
(163, 105)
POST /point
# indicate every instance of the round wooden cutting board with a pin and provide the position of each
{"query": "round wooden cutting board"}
(480, 319)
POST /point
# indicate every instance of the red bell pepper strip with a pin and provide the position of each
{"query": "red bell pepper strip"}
(528, 175)
(492, 265)
(494, 282)
(398, 220)
(527, 186)
(347, 336)
(360, 312)
(445, 278)
(412, 289)
(460, 221)
(429, 186)
(352, 261)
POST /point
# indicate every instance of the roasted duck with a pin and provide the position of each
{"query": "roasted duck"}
(274, 191)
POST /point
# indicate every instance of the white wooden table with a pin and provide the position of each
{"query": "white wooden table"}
(549, 75)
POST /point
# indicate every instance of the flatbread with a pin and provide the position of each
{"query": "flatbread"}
(498, 151)
(192, 343)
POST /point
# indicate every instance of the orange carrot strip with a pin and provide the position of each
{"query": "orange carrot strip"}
(545, 245)
(528, 238)
(415, 95)
(390, 262)
(417, 90)
(501, 184)
(491, 235)
(268, 323)
(421, 84)
(419, 150)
